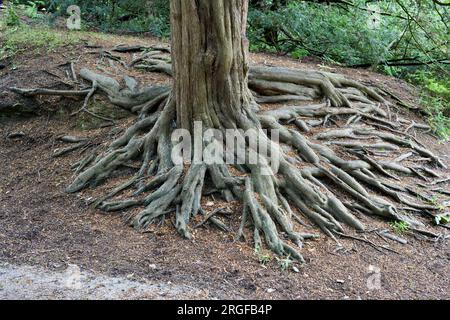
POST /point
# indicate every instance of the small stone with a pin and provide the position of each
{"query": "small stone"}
(57, 265)
(271, 290)
(152, 266)
(295, 269)
(340, 281)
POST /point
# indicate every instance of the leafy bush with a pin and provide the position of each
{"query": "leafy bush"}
(12, 18)
(31, 9)
(347, 34)
(435, 97)
(117, 15)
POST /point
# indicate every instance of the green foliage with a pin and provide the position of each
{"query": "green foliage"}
(264, 257)
(438, 110)
(285, 263)
(435, 201)
(391, 71)
(12, 18)
(410, 37)
(341, 35)
(442, 219)
(400, 227)
(407, 31)
(299, 53)
(435, 98)
(31, 8)
(118, 15)
(23, 37)
(430, 82)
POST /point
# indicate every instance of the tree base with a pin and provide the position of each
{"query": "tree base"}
(311, 168)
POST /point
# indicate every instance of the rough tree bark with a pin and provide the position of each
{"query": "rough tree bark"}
(209, 57)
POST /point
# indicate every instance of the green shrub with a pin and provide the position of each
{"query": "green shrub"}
(118, 15)
(435, 98)
(31, 8)
(327, 31)
(12, 18)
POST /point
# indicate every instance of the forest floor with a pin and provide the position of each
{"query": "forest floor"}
(45, 232)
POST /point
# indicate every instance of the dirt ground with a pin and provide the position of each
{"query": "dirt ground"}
(36, 283)
(44, 229)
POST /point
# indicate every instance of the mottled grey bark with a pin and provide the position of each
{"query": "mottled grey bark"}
(210, 65)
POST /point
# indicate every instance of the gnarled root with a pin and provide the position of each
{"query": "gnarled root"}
(275, 202)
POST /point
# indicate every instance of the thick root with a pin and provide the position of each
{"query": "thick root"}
(310, 169)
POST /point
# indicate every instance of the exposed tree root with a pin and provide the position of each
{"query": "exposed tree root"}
(48, 92)
(310, 169)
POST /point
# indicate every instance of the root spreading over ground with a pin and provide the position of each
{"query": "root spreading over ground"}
(328, 179)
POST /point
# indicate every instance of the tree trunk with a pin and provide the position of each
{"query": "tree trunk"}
(210, 66)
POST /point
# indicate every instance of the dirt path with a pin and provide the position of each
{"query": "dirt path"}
(34, 283)
(47, 231)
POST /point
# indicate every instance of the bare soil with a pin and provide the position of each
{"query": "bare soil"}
(43, 228)
(36, 283)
